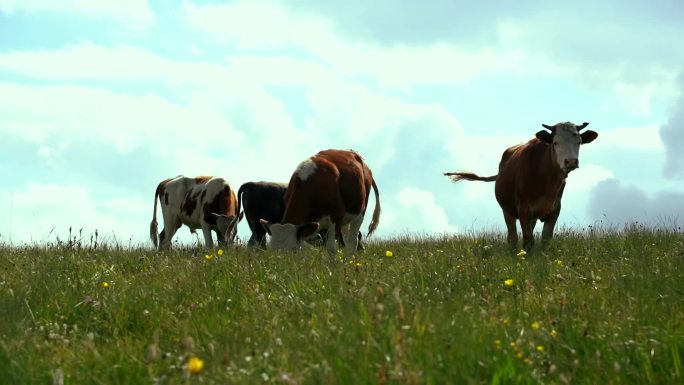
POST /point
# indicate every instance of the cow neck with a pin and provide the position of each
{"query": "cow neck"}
(554, 175)
(296, 207)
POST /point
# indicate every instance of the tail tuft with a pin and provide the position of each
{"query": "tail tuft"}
(459, 176)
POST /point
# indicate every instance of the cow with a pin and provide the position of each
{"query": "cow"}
(329, 191)
(203, 202)
(261, 200)
(531, 179)
(266, 200)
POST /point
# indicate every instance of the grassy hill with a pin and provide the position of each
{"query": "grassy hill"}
(591, 308)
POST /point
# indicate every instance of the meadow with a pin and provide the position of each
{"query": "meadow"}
(593, 307)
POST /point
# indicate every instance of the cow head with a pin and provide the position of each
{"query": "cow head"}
(231, 229)
(287, 236)
(224, 226)
(566, 140)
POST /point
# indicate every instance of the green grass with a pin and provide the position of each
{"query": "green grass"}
(590, 308)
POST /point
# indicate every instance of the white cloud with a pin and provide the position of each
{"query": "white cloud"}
(264, 25)
(418, 212)
(38, 208)
(134, 11)
(88, 61)
(76, 113)
(586, 177)
(641, 139)
(524, 49)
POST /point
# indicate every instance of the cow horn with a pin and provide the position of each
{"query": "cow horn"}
(550, 128)
(581, 126)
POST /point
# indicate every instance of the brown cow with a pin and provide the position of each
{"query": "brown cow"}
(531, 179)
(330, 191)
(204, 202)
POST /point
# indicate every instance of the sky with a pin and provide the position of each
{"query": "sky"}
(100, 101)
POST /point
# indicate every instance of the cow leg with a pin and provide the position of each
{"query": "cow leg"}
(549, 225)
(208, 241)
(527, 224)
(351, 239)
(331, 240)
(170, 227)
(220, 239)
(550, 222)
(252, 240)
(512, 231)
(162, 237)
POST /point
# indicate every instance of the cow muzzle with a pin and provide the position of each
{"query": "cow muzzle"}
(571, 164)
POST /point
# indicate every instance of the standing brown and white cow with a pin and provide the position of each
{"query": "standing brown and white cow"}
(330, 191)
(204, 202)
(531, 179)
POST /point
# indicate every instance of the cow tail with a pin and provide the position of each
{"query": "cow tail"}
(458, 176)
(245, 186)
(241, 190)
(153, 225)
(376, 212)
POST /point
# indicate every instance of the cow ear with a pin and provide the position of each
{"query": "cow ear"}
(544, 136)
(266, 225)
(306, 229)
(588, 136)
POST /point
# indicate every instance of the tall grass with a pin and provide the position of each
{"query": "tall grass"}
(593, 307)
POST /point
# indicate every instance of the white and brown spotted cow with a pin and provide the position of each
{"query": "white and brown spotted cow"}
(330, 191)
(203, 202)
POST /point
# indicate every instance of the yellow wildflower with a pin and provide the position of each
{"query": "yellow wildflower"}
(513, 344)
(527, 361)
(522, 253)
(540, 348)
(509, 282)
(388, 253)
(105, 284)
(220, 252)
(497, 343)
(359, 264)
(519, 354)
(553, 333)
(536, 325)
(208, 256)
(195, 365)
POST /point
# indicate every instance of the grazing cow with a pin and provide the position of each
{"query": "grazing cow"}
(329, 191)
(204, 202)
(266, 200)
(261, 200)
(531, 179)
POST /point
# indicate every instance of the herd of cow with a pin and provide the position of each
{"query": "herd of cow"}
(328, 193)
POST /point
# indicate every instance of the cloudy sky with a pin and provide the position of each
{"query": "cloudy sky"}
(99, 101)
